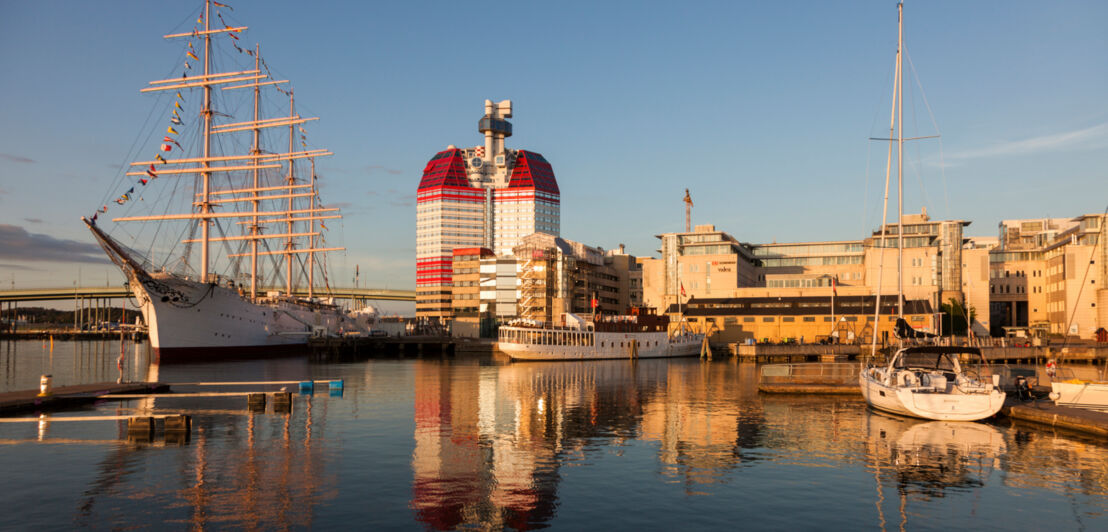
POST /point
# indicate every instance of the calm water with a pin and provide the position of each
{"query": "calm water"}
(486, 444)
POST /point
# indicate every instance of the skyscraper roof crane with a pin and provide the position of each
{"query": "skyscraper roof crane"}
(688, 211)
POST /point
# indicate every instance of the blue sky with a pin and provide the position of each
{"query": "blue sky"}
(762, 110)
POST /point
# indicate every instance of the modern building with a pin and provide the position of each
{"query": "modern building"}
(481, 197)
(1048, 275)
(701, 263)
(1043, 274)
(544, 277)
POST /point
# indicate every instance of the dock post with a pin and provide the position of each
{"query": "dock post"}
(140, 428)
(255, 402)
(282, 402)
(178, 429)
(45, 383)
(705, 349)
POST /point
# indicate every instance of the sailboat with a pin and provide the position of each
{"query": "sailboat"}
(926, 381)
(248, 203)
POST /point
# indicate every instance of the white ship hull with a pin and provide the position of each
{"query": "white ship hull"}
(190, 321)
(1090, 395)
(542, 344)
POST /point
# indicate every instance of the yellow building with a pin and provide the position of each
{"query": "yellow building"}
(803, 319)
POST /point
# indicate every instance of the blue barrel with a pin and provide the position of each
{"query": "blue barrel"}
(336, 384)
(307, 387)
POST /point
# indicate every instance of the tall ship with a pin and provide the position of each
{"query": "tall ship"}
(225, 248)
(640, 334)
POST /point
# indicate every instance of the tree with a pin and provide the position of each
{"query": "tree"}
(956, 318)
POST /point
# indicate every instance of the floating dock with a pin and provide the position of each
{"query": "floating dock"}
(1045, 412)
(800, 388)
(70, 396)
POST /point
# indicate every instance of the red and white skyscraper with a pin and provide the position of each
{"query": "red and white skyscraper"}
(485, 196)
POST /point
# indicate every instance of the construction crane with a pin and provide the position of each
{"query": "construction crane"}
(688, 211)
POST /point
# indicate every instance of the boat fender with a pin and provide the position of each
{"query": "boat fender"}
(1051, 368)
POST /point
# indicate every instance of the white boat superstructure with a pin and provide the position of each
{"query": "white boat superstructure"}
(931, 382)
(623, 337)
(251, 211)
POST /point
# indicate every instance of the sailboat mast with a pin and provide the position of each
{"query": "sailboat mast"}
(311, 236)
(291, 182)
(900, 159)
(885, 202)
(205, 206)
(255, 152)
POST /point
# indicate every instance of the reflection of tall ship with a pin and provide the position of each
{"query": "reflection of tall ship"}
(254, 210)
(642, 334)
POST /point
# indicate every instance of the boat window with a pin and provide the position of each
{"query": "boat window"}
(939, 361)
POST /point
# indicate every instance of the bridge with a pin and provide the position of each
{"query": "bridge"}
(121, 291)
(92, 304)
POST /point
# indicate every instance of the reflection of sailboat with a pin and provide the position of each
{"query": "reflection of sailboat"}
(927, 381)
(930, 457)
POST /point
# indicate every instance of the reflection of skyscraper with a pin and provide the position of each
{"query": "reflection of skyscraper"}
(469, 470)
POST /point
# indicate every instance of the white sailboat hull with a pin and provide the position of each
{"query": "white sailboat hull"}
(605, 345)
(926, 402)
(190, 321)
(1091, 395)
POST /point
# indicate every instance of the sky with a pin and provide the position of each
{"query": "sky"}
(763, 110)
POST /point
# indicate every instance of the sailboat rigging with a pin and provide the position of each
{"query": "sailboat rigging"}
(929, 381)
(195, 313)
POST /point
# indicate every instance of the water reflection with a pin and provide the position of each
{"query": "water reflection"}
(463, 444)
(490, 441)
(926, 459)
(239, 468)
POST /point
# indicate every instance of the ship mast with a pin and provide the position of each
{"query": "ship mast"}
(256, 215)
(254, 227)
(311, 236)
(205, 206)
(291, 183)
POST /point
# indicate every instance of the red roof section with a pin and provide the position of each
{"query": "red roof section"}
(446, 168)
(532, 170)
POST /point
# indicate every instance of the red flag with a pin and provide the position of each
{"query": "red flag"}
(834, 286)
(682, 289)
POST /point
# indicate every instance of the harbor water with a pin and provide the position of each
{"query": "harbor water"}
(483, 443)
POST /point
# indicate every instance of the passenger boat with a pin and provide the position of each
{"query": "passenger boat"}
(641, 335)
(221, 228)
(933, 382)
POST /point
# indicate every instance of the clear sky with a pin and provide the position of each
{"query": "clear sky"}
(761, 109)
